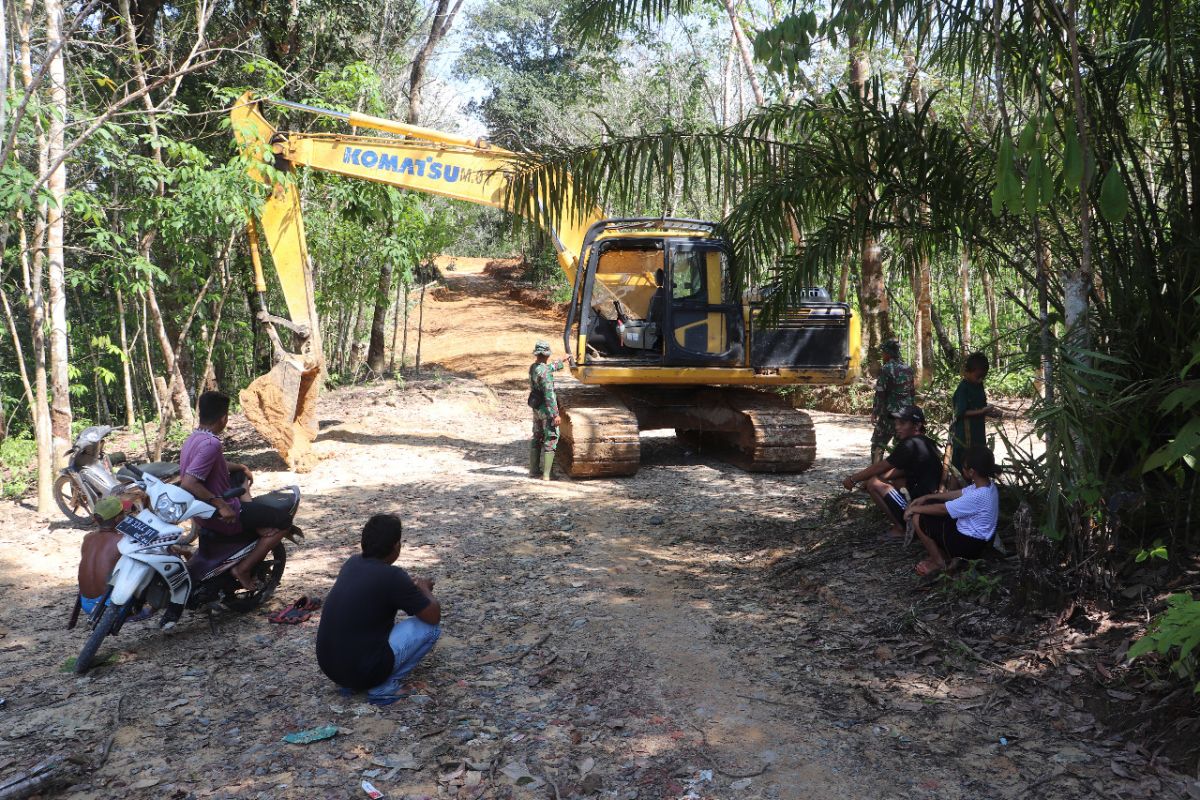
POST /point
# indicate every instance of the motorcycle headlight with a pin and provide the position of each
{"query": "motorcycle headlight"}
(168, 510)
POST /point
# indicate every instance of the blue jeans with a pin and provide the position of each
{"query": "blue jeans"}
(411, 639)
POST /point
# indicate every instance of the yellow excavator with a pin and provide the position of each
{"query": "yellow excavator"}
(659, 339)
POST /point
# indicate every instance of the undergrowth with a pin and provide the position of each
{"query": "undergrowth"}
(18, 466)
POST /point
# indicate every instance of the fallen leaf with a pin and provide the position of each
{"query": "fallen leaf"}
(397, 761)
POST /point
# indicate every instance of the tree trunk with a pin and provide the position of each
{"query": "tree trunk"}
(944, 340)
(1045, 334)
(383, 297)
(989, 295)
(872, 297)
(1077, 282)
(33, 278)
(404, 343)
(150, 375)
(744, 48)
(396, 326)
(56, 185)
(420, 327)
(181, 405)
(443, 18)
(177, 388)
(207, 375)
(126, 374)
(22, 370)
(964, 289)
(922, 290)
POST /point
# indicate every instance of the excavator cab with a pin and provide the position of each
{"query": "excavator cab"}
(657, 291)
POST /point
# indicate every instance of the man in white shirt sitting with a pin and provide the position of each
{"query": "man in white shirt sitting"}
(959, 523)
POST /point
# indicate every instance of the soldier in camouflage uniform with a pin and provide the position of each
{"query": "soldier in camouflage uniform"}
(894, 390)
(544, 402)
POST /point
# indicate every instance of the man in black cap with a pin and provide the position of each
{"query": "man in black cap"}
(915, 464)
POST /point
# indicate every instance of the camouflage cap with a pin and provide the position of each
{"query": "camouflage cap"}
(891, 347)
(108, 508)
(541, 348)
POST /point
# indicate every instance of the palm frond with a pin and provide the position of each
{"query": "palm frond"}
(603, 18)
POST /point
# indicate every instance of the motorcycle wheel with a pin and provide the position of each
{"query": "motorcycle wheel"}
(268, 574)
(72, 502)
(113, 615)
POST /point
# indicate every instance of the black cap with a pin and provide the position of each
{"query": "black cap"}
(911, 413)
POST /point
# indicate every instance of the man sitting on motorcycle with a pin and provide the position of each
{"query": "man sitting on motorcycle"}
(206, 475)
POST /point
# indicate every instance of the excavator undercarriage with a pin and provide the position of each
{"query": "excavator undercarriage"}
(756, 431)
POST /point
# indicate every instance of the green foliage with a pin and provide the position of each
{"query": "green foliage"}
(1114, 197)
(1176, 631)
(969, 583)
(17, 465)
(1156, 550)
(787, 44)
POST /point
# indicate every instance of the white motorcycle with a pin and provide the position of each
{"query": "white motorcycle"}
(150, 573)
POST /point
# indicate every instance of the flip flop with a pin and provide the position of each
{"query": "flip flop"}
(305, 603)
(289, 616)
(309, 604)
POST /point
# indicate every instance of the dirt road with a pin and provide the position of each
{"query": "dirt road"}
(692, 631)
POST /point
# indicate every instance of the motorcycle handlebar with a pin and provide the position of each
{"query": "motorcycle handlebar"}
(232, 492)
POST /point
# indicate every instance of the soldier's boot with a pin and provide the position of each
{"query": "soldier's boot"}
(547, 465)
(535, 458)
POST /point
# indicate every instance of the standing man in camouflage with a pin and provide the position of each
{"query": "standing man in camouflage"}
(894, 390)
(544, 402)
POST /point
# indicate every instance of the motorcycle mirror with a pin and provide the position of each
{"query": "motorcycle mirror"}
(116, 457)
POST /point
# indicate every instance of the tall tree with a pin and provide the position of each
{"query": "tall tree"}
(442, 18)
(56, 184)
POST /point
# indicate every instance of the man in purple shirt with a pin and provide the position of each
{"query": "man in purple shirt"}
(206, 475)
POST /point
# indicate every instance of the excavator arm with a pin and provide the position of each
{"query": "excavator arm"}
(282, 403)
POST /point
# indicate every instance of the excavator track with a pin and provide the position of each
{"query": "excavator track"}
(755, 431)
(598, 434)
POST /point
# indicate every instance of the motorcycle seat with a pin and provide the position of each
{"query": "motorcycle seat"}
(280, 499)
(163, 470)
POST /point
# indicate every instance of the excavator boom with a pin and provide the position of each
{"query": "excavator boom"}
(282, 403)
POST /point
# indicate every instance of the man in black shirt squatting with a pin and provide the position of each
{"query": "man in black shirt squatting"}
(914, 464)
(360, 646)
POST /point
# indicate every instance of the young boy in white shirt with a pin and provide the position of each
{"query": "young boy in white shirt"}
(958, 523)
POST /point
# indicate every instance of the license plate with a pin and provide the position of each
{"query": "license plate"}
(138, 530)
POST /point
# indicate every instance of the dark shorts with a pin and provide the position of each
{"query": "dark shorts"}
(896, 504)
(944, 532)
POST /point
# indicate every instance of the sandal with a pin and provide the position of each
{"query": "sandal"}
(290, 616)
(309, 604)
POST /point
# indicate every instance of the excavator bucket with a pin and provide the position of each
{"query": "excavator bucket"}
(282, 406)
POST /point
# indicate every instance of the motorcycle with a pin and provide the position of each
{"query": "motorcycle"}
(153, 572)
(89, 474)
